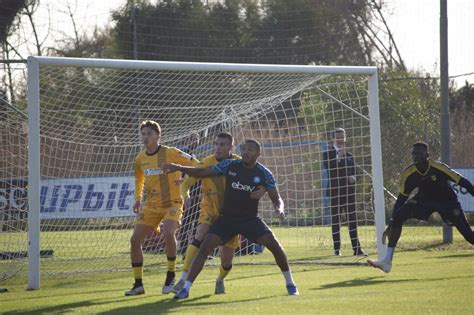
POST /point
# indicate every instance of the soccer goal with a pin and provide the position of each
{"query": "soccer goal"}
(83, 136)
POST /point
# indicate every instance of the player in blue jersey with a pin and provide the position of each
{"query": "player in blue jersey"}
(434, 195)
(239, 213)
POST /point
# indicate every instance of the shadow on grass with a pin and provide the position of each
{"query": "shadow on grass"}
(58, 296)
(361, 282)
(165, 306)
(453, 256)
(59, 309)
(380, 280)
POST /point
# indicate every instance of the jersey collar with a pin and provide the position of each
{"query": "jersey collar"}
(427, 169)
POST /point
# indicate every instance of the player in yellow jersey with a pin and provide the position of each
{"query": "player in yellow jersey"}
(212, 195)
(162, 202)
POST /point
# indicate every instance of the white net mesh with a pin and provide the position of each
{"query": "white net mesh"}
(13, 195)
(89, 120)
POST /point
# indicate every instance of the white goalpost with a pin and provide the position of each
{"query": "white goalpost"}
(83, 118)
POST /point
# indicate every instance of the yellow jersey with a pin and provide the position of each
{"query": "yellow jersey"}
(154, 186)
(212, 188)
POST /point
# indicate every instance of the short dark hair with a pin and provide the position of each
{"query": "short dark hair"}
(421, 144)
(151, 124)
(254, 142)
(226, 135)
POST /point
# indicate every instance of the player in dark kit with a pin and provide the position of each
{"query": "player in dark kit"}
(239, 213)
(434, 195)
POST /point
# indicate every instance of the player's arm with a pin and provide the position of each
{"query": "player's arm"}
(401, 200)
(183, 158)
(277, 201)
(184, 190)
(456, 177)
(464, 182)
(274, 194)
(352, 170)
(407, 185)
(188, 170)
(258, 193)
(139, 182)
(218, 169)
(186, 185)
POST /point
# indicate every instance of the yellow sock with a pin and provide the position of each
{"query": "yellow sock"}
(223, 272)
(138, 272)
(171, 264)
(191, 252)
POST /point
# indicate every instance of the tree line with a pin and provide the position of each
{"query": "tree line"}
(338, 32)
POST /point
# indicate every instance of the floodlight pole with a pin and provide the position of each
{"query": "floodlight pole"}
(445, 129)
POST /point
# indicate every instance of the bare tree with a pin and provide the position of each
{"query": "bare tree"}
(376, 32)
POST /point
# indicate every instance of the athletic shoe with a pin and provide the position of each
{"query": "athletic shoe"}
(169, 282)
(292, 289)
(385, 265)
(360, 252)
(337, 252)
(183, 294)
(136, 290)
(220, 288)
(178, 286)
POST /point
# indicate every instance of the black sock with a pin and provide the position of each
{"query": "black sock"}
(170, 275)
(138, 283)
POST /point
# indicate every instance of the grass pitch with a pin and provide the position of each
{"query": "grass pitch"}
(426, 277)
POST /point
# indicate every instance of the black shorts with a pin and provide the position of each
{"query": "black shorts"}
(448, 210)
(251, 228)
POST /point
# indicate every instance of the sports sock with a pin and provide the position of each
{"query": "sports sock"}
(138, 273)
(191, 252)
(389, 253)
(288, 277)
(171, 263)
(187, 285)
(183, 276)
(170, 275)
(223, 272)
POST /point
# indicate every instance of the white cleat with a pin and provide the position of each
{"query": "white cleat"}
(136, 290)
(178, 286)
(167, 288)
(169, 282)
(384, 264)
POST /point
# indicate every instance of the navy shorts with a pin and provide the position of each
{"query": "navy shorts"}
(251, 228)
(448, 210)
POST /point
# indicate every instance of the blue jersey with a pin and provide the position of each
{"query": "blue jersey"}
(240, 182)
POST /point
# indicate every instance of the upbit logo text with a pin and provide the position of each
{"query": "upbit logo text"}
(239, 186)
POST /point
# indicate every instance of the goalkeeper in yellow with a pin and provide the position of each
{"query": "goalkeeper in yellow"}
(162, 202)
(212, 195)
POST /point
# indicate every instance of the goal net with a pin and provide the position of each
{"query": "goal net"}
(83, 137)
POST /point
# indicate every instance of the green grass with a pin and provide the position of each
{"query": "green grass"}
(426, 277)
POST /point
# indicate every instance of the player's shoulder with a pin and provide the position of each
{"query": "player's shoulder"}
(141, 154)
(439, 165)
(259, 166)
(442, 167)
(225, 165)
(168, 148)
(209, 160)
(235, 157)
(175, 151)
(230, 162)
(409, 170)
